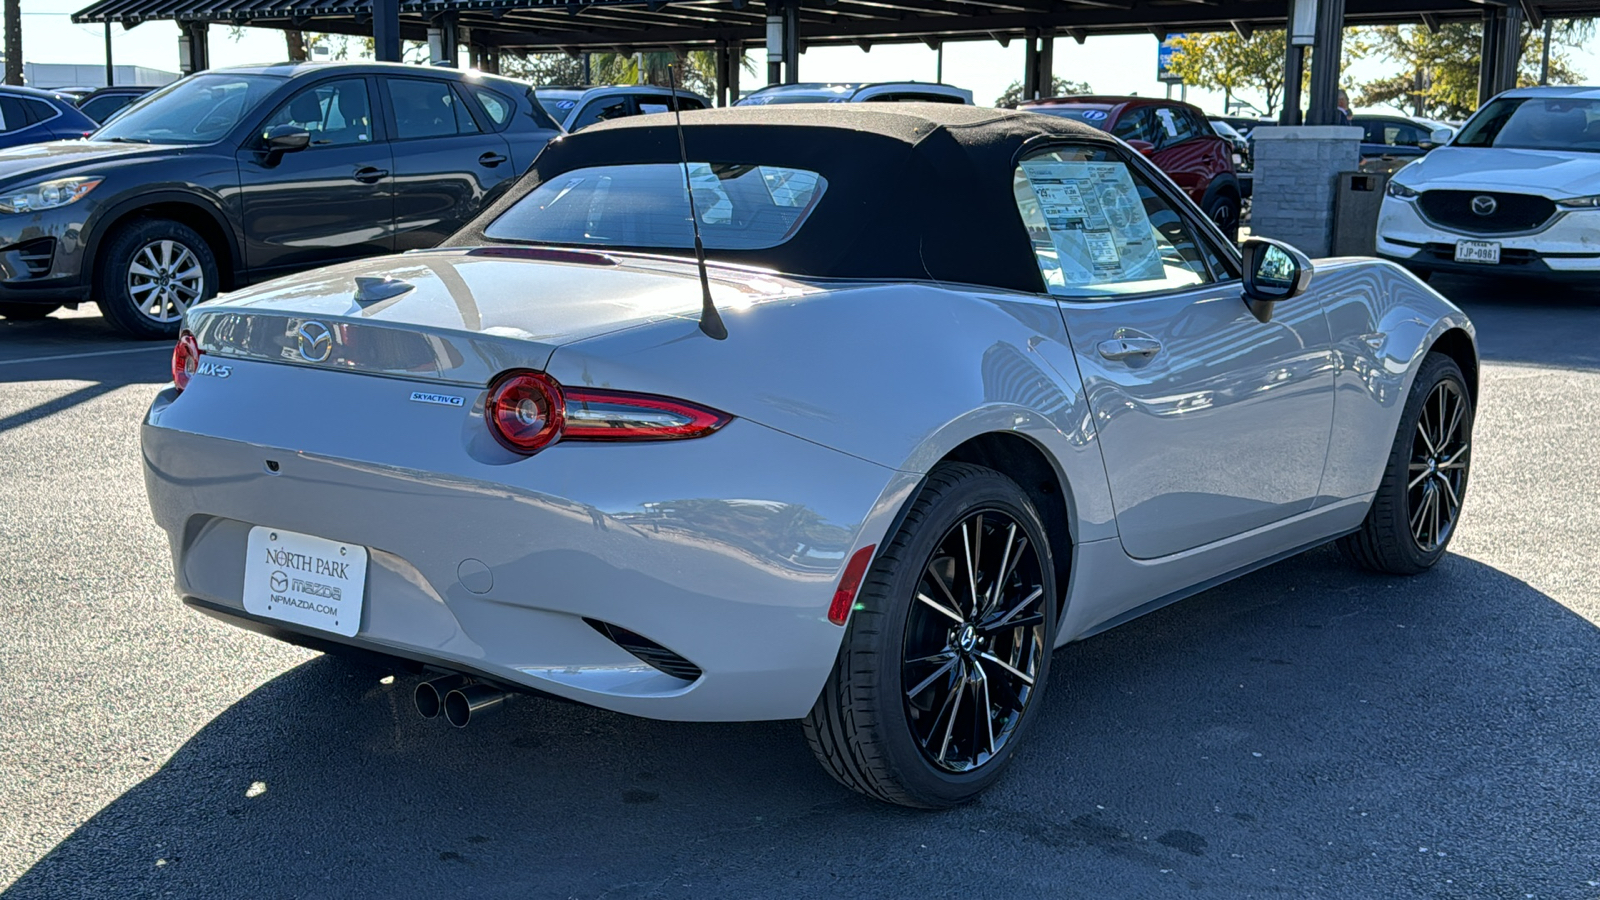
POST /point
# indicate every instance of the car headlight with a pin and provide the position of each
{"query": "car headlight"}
(48, 194)
(1396, 189)
(1590, 202)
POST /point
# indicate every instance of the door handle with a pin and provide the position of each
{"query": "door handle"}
(1140, 348)
(370, 175)
(491, 159)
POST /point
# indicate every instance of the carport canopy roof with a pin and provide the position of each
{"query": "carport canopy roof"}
(630, 25)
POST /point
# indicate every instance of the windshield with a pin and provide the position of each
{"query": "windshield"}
(196, 110)
(1088, 115)
(741, 207)
(836, 94)
(1535, 123)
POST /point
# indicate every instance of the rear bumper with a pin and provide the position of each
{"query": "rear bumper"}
(725, 550)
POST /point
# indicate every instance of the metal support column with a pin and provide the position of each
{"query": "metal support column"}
(111, 71)
(1327, 56)
(735, 69)
(775, 41)
(1030, 65)
(1544, 55)
(1047, 62)
(1510, 55)
(1294, 67)
(791, 42)
(386, 30)
(719, 57)
(194, 51)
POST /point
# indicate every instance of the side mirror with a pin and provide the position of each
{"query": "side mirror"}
(281, 139)
(1440, 137)
(1144, 147)
(1273, 271)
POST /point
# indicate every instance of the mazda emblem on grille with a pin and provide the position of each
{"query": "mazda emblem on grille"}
(1484, 205)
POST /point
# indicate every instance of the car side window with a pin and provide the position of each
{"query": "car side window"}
(1135, 125)
(425, 108)
(600, 110)
(336, 113)
(12, 118)
(101, 108)
(1175, 127)
(497, 107)
(1405, 135)
(1100, 229)
(38, 110)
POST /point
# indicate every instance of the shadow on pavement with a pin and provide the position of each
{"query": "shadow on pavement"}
(1306, 729)
(1530, 322)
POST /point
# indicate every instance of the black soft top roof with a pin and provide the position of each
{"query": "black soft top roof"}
(915, 190)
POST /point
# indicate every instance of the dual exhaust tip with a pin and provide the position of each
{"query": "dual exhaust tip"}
(458, 697)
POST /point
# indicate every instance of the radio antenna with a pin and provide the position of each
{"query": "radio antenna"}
(710, 319)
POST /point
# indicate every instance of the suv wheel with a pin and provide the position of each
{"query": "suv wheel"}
(151, 272)
(1224, 210)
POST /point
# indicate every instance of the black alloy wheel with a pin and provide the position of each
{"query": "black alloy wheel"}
(1440, 453)
(947, 652)
(1224, 210)
(974, 641)
(1418, 504)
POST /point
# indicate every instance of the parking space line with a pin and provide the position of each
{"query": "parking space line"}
(34, 359)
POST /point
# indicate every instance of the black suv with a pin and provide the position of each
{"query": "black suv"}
(231, 176)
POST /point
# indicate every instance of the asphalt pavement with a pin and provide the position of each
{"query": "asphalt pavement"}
(1306, 731)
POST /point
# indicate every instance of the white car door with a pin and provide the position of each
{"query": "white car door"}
(1210, 422)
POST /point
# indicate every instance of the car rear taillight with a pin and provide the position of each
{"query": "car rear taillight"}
(528, 411)
(623, 416)
(524, 411)
(185, 359)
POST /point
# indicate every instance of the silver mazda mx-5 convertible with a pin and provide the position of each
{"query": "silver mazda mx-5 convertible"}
(959, 386)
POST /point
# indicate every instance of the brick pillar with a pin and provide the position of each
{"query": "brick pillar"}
(1296, 174)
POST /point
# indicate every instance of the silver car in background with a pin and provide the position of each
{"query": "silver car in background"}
(896, 448)
(580, 107)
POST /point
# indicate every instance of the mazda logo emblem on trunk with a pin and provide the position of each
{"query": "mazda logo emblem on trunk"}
(315, 341)
(1484, 205)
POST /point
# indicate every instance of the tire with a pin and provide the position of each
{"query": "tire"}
(1400, 535)
(27, 312)
(184, 272)
(1223, 209)
(864, 729)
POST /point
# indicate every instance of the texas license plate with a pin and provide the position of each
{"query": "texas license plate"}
(306, 580)
(1477, 252)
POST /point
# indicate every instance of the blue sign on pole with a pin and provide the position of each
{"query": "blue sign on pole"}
(1164, 55)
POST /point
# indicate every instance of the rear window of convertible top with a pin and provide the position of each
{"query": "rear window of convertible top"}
(741, 207)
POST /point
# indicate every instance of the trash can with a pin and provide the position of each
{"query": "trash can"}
(1355, 213)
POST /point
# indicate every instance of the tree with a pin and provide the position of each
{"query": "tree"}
(697, 68)
(1439, 69)
(1059, 87)
(1223, 61)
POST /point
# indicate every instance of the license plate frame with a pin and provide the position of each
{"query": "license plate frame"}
(1483, 253)
(305, 580)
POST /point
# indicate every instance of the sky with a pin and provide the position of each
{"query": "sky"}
(1111, 65)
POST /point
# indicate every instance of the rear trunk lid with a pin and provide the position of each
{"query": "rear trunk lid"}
(461, 316)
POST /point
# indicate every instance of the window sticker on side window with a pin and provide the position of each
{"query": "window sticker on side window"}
(1096, 220)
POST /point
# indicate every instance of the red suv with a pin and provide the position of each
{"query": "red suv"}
(1176, 137)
